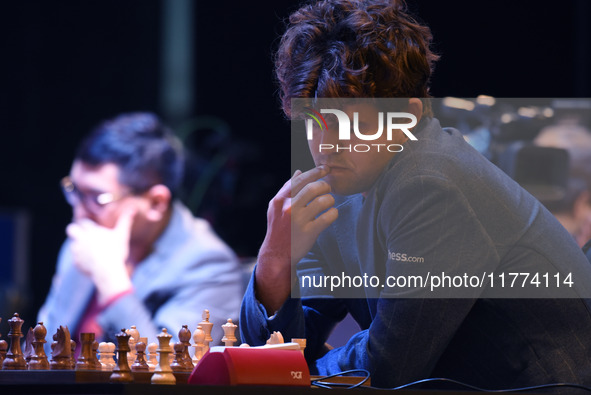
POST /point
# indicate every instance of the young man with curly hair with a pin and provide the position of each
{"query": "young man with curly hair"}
(437, 199)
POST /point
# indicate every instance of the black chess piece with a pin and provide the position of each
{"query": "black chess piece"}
(39, 358)
(14, 359)
(185, 337)
(140, 364)
(72, 354)
(94, 361)
(84, 361)
(61, 349)
(122, 372)
(3, 349)
(178, 364)
(28, 350)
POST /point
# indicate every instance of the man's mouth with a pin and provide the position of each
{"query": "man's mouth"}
(336, 166)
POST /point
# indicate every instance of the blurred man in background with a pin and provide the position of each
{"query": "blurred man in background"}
(574, 209)
(135, 255)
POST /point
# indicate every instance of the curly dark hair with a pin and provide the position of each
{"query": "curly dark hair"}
(354, 48)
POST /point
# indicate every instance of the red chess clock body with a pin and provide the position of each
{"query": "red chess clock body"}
(251, 366)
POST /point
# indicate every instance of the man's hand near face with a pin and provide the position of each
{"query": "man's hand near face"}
(101, 253)
(294, 222)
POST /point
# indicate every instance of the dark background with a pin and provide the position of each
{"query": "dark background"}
(65, 65)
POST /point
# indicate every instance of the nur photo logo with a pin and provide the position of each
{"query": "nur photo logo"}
(348, 132)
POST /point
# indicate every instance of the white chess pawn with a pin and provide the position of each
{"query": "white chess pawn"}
(152, 356)
(229, 333)
(106, 356)
(112, 349)
(163, 372)
(102, 349)
(112, 354)
(198, 339)
(207, 327)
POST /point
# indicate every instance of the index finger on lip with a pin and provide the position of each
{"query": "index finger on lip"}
(72, 230)
(84, 222)
(301, 180)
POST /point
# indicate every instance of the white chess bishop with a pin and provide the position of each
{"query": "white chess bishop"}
(207, 326)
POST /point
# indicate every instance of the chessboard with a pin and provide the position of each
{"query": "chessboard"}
(104, 367)
(131, 360)
(48, 377)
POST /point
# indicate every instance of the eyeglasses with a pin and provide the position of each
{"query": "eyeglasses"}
(94, 202)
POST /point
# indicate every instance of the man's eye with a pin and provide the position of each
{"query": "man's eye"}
(92, 197)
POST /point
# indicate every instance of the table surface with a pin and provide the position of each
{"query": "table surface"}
(69, 382)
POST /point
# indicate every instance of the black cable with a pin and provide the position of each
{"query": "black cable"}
(472, 387)
(319, 383)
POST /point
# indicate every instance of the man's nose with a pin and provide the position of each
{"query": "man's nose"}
(81, 212)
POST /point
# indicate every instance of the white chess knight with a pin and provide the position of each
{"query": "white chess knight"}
(133, 340)
(107, 356)
(229, 333)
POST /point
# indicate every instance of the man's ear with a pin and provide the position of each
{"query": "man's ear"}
(415, 107)
(159, 197)
(582, 215)
(582, 204)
